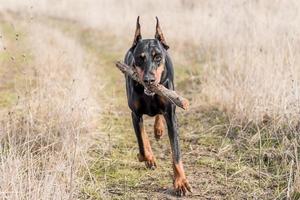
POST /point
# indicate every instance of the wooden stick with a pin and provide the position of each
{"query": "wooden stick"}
(160, 90)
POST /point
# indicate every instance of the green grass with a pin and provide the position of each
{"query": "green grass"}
(7, 98)
(13, 58)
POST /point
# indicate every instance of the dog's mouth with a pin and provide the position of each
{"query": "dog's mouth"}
(148, 92)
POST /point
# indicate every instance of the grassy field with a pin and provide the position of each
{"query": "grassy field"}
(66, 128)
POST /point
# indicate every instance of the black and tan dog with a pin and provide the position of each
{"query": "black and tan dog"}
(150, 59)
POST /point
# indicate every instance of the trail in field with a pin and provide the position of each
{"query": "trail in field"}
(115, 168)
(113, 171)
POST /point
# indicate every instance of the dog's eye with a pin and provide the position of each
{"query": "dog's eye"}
(157, 58)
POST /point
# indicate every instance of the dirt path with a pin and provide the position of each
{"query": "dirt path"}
(213, 163)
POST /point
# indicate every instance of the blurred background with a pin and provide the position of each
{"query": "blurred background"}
(65, 125)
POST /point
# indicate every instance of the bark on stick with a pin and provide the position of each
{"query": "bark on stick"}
(160, 90)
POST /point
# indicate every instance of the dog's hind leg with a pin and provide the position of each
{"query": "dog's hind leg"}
(159, 126)
(145, 154)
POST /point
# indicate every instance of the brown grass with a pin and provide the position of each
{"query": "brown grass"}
(235, 60)
(42, 135)
(243, 46)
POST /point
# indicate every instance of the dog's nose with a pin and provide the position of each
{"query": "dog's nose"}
(149, 80)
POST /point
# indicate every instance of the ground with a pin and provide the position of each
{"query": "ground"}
(222, 160)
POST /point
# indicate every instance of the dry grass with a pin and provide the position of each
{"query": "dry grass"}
(42, 135)
(236, 60)
(243, 46)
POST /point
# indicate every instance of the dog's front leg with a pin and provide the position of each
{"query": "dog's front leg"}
(181, 184)
(145, 154)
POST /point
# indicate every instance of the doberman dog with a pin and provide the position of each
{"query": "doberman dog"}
(150, 59)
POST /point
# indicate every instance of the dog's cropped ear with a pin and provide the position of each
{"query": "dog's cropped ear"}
(160, 36)
(137, 35)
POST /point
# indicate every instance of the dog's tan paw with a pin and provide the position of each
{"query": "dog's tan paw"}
(158, 132)
(181, 186)
(159, 127)
(149, 160)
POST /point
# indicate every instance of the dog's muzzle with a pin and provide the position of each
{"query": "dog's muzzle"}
(149, 80)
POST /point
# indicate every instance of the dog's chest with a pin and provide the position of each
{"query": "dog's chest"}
(153, 105)
(149, 105)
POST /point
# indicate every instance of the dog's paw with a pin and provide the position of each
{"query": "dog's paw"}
(158, 132)
(151, 164)
(149, 161)
(181, 186)
(159, 126)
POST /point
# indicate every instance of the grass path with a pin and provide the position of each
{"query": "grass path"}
(220, 164)
(212, 166)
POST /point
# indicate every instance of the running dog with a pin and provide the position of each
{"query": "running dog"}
(150, 59)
